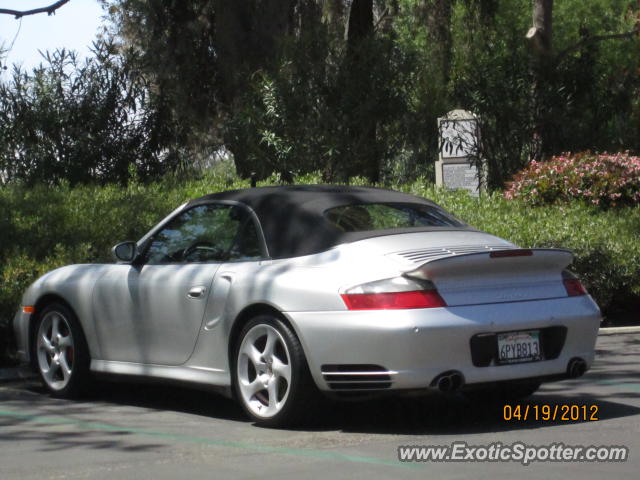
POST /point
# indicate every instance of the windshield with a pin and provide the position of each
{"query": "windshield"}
(384, 216)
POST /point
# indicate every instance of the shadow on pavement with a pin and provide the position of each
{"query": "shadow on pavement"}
(141, 404)
(612, 384)
(457, 415)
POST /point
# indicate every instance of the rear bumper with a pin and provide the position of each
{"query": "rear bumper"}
(413, 347)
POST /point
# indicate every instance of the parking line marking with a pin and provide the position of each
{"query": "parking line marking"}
(616, 383)
(206, 441)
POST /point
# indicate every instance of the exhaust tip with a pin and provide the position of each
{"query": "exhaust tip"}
(444, 384)
(456, 381)
(576, 367)
(448, 382)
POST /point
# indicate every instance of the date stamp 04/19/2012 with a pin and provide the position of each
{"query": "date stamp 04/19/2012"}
(550, 413)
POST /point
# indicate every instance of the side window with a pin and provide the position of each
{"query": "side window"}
(383, 216)
(207, 233)
(247, 244)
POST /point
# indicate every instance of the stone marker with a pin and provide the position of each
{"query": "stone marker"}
(459, 143)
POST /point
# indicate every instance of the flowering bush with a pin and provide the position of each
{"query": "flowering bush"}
(606, 180)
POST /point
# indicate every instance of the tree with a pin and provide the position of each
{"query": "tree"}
(545, 65)
(83, 122)
(221, 65)
(200, 56)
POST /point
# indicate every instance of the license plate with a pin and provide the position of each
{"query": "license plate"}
(514, 347)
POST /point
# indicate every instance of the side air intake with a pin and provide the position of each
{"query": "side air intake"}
(357, 377)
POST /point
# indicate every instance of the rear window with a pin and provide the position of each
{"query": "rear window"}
(384, 216)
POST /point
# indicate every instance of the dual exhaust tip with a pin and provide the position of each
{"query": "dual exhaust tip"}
(576, 367)
(449, 382)
(452, 381)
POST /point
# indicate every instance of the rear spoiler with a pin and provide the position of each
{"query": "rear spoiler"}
(496, 262)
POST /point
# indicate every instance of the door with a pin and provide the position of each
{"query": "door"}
(152, 312)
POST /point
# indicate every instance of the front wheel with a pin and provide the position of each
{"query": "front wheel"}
(271, 376)
(61, 352)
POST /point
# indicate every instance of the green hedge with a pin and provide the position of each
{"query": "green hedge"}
(44, 227)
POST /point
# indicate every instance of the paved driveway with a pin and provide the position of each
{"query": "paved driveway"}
(139, 432)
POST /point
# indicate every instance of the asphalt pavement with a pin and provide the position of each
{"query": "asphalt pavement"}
(165, 432)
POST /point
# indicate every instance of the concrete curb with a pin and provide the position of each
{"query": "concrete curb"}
(618, 330)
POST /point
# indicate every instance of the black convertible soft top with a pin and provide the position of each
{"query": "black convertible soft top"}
(292, 217)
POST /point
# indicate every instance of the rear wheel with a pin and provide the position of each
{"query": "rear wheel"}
(271, 377)
(61, 353)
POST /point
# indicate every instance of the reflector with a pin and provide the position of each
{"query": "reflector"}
(574, 287)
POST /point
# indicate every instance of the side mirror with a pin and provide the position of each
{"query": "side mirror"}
(125, 252)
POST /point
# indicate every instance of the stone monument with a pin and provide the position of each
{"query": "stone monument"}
(459, 147)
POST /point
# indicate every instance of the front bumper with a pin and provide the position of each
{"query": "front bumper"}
(410, 348)
(21, 332)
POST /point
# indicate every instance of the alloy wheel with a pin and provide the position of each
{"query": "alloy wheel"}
(55, 350)
(264, 371)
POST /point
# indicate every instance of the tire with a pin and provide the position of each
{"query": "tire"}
(60, 351)
(271, 378)
(504, 392)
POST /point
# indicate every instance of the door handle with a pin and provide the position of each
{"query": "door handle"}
(196, 292)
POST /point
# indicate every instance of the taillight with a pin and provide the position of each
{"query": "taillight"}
(572, 285)
(393, 294)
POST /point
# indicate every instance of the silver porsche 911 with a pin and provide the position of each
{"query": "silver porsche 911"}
(273, 294)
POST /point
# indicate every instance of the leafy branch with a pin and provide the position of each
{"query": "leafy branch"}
(588, 40)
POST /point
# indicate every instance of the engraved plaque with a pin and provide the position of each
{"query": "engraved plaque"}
(461, 175)
(460, 164)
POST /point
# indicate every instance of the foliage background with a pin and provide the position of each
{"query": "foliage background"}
(346, 87)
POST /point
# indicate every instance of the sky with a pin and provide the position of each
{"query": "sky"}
(74, 27)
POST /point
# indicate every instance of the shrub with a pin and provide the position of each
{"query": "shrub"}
(605, 180)
(19, 271)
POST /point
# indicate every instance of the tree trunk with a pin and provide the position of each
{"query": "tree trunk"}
(360, 26)
(247, 34)
(540, 40)
(542, 29)
(438, 18)
(364, 159)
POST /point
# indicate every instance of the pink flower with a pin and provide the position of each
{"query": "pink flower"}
(608, 177)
